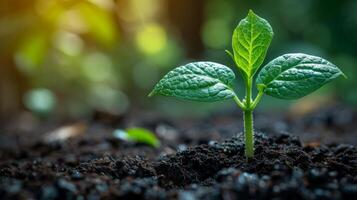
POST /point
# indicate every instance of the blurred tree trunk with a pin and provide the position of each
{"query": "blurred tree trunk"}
(12, 87)
(187, 16)
(12, 82)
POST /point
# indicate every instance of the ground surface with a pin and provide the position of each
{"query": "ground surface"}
(198, 159)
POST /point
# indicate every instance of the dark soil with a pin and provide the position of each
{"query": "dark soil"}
(197, 160)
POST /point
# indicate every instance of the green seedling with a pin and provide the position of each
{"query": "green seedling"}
(139, 135)
(290, 76)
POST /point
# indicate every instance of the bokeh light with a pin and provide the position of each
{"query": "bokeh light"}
(151, 39)
(40, 101)
(98, 67)
(68, 43)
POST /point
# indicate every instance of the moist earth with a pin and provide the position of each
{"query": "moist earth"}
(204, 166)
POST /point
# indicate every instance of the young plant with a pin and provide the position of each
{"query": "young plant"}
(290, 76)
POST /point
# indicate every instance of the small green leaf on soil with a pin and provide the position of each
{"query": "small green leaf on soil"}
(140, 135)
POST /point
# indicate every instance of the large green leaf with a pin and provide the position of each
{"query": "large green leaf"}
(250, 43)
(199, 81)
(292, 76)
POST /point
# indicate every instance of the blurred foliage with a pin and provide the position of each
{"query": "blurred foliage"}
(104, 55)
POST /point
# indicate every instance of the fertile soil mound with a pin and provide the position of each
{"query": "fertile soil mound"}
(282, 168)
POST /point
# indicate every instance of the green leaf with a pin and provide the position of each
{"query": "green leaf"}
(199, 81)
(292, 76)
(250, 43)
(140, 135)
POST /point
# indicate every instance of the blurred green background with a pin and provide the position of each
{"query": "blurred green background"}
(73, 58)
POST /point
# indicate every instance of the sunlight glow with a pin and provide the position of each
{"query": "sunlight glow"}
(151, 39)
